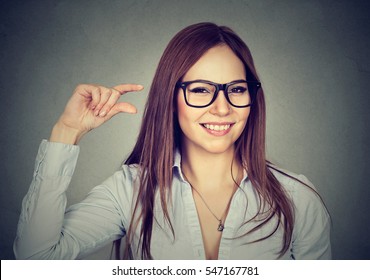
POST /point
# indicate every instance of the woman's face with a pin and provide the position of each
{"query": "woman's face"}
(216, 127)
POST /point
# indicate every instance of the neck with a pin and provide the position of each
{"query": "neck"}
(209, 171)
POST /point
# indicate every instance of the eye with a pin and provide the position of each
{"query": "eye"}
(199, 90)
(237, 90)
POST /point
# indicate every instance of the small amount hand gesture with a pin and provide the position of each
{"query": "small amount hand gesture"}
(89, 107)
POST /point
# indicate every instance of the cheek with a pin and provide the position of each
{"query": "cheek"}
(247, 115)
(244, 114)
(243, 117)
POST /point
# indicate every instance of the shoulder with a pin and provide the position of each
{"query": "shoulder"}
(290, 181)
(298, 188)
(307, 202)
(127, 175)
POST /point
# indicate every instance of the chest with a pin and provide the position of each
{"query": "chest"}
(197, 237)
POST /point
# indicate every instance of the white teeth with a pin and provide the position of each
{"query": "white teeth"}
(216, 127)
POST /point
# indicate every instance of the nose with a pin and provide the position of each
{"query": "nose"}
(221, 106)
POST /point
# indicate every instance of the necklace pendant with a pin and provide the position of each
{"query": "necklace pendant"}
(220, 227)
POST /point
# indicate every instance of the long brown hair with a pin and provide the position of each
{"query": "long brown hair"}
(160, 136)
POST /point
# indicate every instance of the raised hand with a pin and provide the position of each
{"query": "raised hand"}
(89, 107)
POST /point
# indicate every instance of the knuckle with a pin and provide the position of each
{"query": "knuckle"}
(116, 93)
(105, 90)
(105, 95)
(95, 89)
(80, 87)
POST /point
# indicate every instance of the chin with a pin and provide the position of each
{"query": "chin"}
(218, 149)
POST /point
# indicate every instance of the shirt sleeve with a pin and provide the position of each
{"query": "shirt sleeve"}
(46, 230)
(311, 234)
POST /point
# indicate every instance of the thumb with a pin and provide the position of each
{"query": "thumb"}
(122, 107)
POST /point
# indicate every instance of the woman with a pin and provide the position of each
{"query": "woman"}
(196, 185)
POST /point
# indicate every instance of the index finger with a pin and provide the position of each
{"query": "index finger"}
(123, 88)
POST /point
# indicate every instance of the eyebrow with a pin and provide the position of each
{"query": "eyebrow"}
(204, 80)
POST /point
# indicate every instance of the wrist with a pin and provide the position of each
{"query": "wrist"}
(64, 134)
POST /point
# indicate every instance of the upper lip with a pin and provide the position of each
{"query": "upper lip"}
(218, 123)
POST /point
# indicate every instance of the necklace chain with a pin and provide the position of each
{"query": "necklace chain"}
(221, 224)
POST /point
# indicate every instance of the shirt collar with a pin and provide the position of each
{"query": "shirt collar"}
(177, 164)
(177, 161)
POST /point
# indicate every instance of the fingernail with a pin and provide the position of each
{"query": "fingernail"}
(102, 114)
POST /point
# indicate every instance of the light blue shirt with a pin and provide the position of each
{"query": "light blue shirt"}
(46, 230)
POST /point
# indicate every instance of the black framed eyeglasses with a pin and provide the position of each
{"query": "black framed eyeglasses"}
(202, 93)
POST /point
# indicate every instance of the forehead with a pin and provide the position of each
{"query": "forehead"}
(219, 64)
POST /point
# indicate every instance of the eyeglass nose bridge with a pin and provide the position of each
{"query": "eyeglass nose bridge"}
(222, 87)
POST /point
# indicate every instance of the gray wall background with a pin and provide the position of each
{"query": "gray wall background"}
(312, 57)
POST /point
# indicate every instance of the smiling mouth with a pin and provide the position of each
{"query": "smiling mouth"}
(216, 127)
